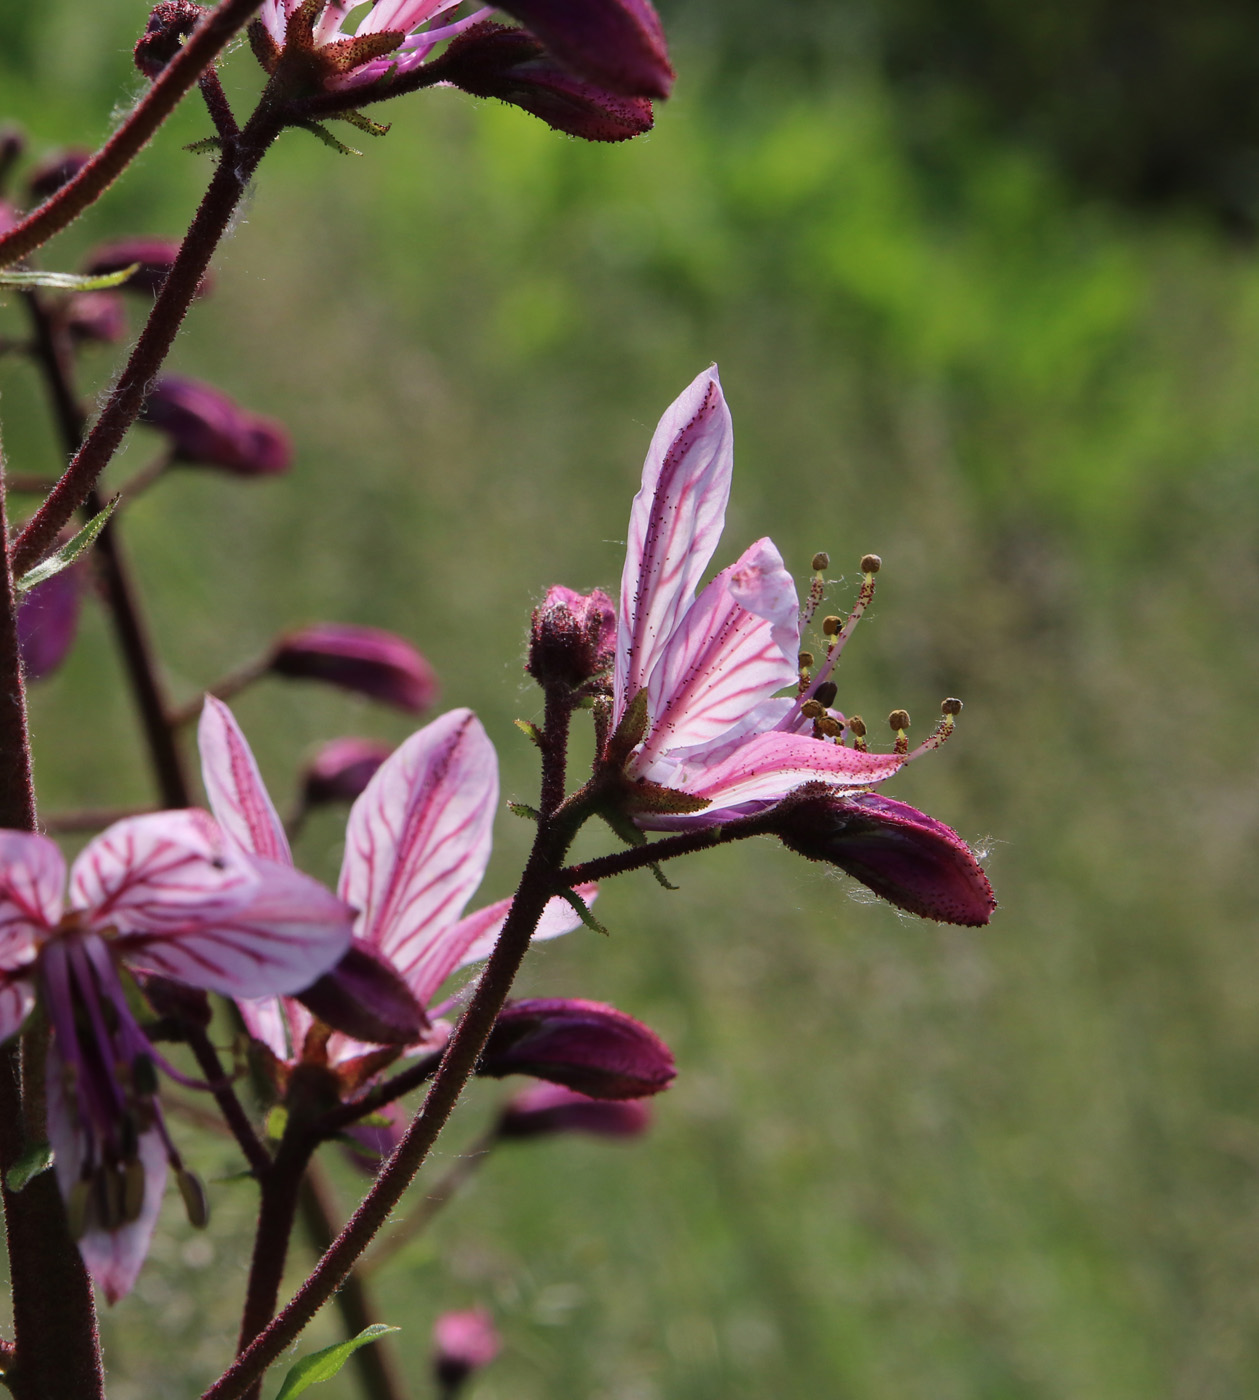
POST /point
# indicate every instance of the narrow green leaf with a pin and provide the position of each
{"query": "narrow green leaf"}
(582, 910)
(323, 1365)
(522, 809)
(320, 131)
(66, 281)
(530, 730)
(68, 553)
(365, 123)
(661, 878)
(206, 144)
(37, 1158)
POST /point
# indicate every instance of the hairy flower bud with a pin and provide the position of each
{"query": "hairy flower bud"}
(363, 659)
(365, 998)
(47, 620)
(545, 1109)
(491, 60)
(903, 855)
(341, 770)
(573, 637)
(155, 257)
(95, 317)
(170, 23)
(54, 171)
(618, 44)
(584, 1045)
(207, 428)
(463, 1342)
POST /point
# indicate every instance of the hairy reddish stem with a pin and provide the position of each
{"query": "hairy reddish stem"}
(76, 195)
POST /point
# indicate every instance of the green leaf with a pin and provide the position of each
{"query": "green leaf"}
(365, 123)
(323, 1365)
(522, 809)
(318, 130)
(66, 281)
(206, 144)
(68, 553)
(582, 910)
(530, 730)
(37, 1158)
(276, 1122)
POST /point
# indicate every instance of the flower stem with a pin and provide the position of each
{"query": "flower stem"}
(684, 844)
(537, 885)
(76, 195)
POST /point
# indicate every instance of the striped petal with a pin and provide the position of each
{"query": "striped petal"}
(32, 877)
(724, 660)
(238, 797)
(675, 523)
(287, 934)
(418, 841)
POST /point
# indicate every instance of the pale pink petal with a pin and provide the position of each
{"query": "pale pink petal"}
(16, 1000)
(674, 527)
(265, 1021)
(238, 797)
(769, 766)
(418, 839)
(113, 1257)
(401, 15)
(32, 877)
(290, 932)
(722, 662)
(159, 872)
(760, 582)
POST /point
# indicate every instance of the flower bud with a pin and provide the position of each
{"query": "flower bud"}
(96, 317)
(155, 256)
(463, 1342)
(363, 997)
(54, 171)
(903, 855)
(544, 1109)
(47, 620)
(618, 44)
(573, 637)
(584, 1045)
(491, 60)
(363, 659)
(341, 770)
(170, 23)
(207, 428)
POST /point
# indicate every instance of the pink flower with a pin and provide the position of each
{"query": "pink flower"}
(417, 845)
(367, 660)
(697, 681)
(165, 894)
(463, 1342)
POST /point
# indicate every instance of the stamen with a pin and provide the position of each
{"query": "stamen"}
(949, 710)
(857, 728)
(817, 586)
(899, 722)
(824, 694)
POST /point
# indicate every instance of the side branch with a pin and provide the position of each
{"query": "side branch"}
(62, 208)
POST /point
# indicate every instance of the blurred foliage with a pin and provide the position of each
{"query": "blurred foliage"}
(899, 1160)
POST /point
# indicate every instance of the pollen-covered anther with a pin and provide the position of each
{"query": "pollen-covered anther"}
(821, 561)
(857, 728)
(806, 659)
(831, 625)
(871, 563)
(828, 727)
(812, 709)
(898, 720)
(950, 707)
(825, 694)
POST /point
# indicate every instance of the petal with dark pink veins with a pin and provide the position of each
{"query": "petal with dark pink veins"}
(32, 878)
(238, 797)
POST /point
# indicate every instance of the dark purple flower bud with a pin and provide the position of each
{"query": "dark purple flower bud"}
(618, 44)
(47, 619)
(584, 1045)
(491, 60)
(95, 316)
(463, 1342)
(363, 997)
(208, 428)
(53, 172)
(169, 25)
(544, 1109)
(341, 770)
(155, 256)
(903, 855)
(363, 659)
(573, 637)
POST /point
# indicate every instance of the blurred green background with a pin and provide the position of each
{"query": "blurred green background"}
(1013, 1164)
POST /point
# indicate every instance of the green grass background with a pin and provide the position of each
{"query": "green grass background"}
(899, 1160)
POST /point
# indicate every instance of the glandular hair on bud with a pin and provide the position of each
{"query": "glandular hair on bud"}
(856, 726)
(899, 719)
(831, 625)
(806, 659)
(825, 694)
(871, 563)
(821, 560)
(950, 706)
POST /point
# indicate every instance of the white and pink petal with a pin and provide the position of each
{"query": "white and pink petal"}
(32, 878)
(238, 797)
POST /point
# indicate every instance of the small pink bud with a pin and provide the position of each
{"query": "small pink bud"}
(903, 855)
(363, 659)
(170, 23)
(544, 1109)
(363, 997)
(490, 60)
(155, 256)
(584, 1045)
(463, 1342)
(54, 171)
(618, 44)
(95, 317)
(342, 769)
(573, 637)
(47, 620)
(207, 428)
